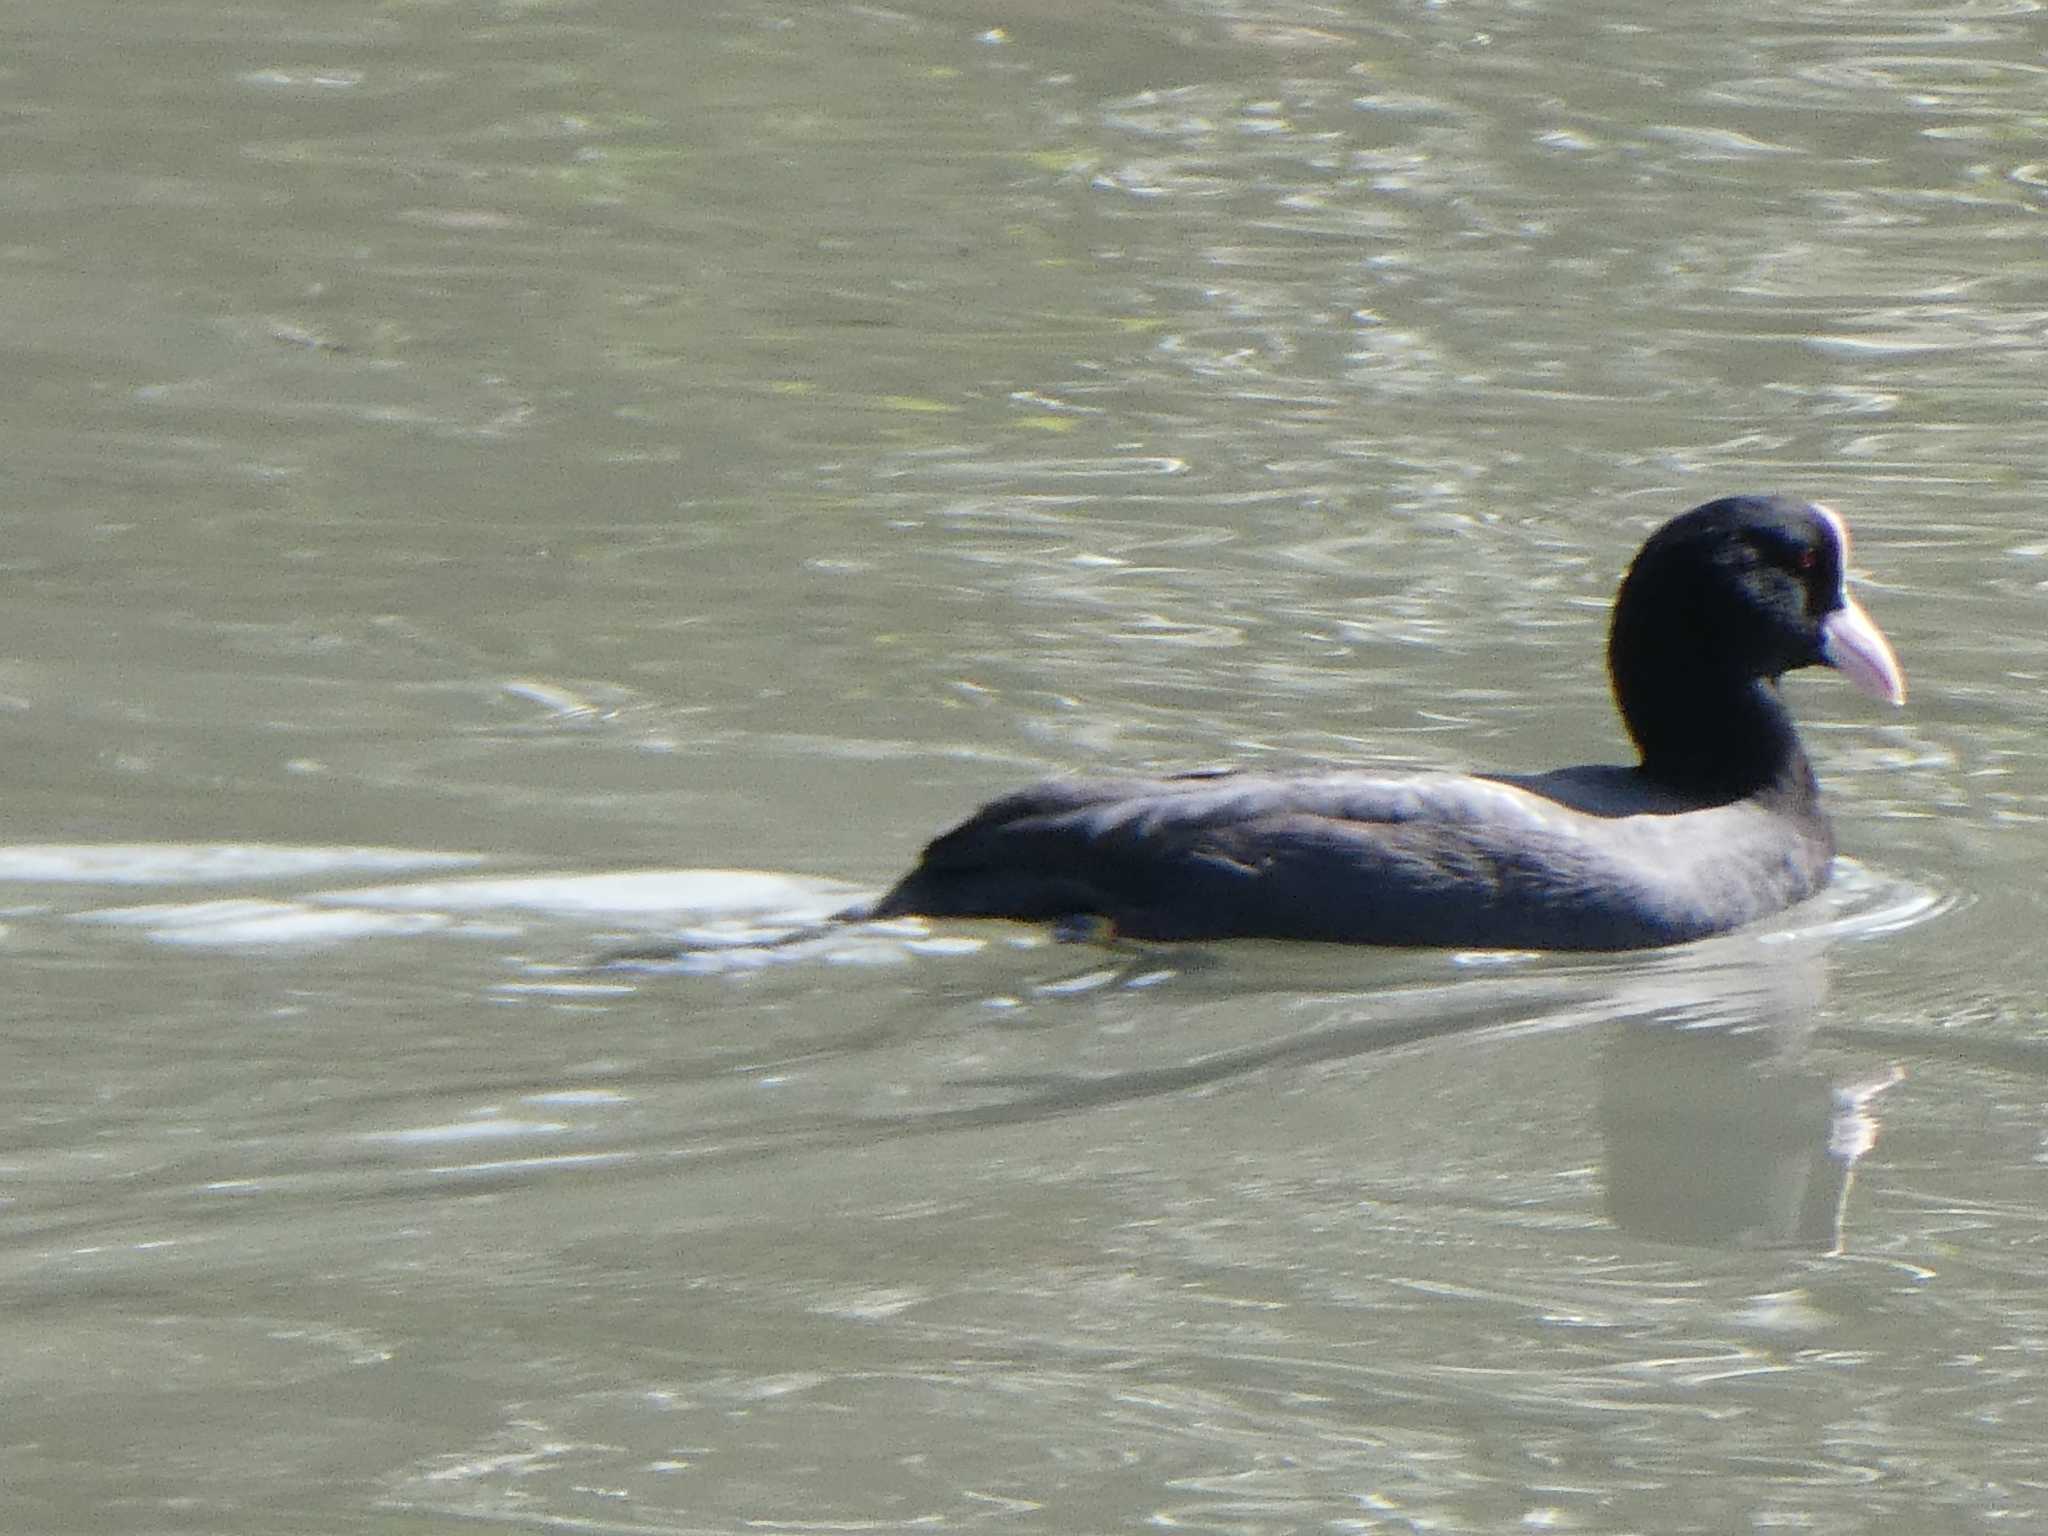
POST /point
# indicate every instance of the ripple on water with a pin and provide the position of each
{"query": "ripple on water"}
(722, 909)
(207, 863)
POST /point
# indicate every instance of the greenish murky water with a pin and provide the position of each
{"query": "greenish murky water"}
(488, 483)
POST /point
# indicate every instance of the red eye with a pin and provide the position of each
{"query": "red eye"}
(1805, 560)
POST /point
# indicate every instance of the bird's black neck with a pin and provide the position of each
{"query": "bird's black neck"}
(1714, 738)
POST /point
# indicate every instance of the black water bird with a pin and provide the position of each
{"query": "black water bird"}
(1719, 824)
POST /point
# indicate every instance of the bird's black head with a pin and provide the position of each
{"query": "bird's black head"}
(1719, 603)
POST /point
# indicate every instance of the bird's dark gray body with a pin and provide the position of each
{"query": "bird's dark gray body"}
(1364, 858)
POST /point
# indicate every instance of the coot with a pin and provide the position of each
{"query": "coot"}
(1719, 823)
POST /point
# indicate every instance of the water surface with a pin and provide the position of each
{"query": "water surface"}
(478, 473)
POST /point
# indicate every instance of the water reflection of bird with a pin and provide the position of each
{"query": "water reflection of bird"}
(1720, 822)
(1725, 1136)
